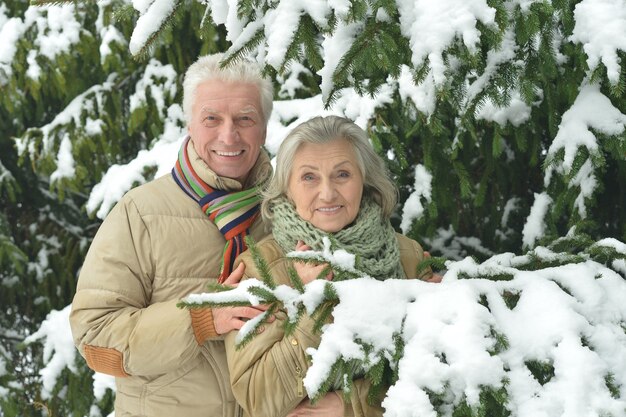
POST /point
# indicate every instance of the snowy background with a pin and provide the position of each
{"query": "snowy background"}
(569, 319)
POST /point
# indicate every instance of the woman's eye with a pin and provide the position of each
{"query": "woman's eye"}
(308, 177)
(344, 174)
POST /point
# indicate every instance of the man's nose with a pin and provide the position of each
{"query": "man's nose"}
(229, 132)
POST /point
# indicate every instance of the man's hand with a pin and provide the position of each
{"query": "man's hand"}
(226, 319)
(308, 272)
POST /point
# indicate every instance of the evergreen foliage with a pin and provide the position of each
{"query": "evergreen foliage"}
(382, 367)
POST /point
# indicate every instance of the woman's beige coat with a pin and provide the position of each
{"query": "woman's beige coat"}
(266, 374)
(155, 247)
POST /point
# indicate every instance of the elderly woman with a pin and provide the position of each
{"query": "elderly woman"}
(328, 182)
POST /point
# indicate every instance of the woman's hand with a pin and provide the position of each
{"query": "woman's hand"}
(330, 405)
(434, 277)
(308, 272)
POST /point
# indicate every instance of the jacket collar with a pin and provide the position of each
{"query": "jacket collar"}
(259, 175)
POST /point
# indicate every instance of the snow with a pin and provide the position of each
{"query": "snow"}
(159, 81)
(591, 110)
(120, 178)
(432, 26)
(423, 95)
(59, 351)
(153, 17)
(282, 23)
(10, 31)
(70, 117)
(516, 113)
(413, 208)
(535, 225)
(569, 317)
(601, 41)
(333, 48)
(62, 30)
(65, 161)
(452, 246)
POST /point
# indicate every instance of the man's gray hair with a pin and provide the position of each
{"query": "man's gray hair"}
(320, 130)
(208, 68)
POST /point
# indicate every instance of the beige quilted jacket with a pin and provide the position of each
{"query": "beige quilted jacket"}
(155, 247)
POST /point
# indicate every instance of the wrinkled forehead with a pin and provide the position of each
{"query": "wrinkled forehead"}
(217, 108)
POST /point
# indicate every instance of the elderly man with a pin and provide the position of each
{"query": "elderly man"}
(169, 238)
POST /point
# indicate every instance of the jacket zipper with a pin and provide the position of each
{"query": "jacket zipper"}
(300, 381)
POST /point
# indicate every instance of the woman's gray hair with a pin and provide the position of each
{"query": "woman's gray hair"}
(319, 130)
(208, 68)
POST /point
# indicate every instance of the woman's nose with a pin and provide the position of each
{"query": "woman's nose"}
(327, 191)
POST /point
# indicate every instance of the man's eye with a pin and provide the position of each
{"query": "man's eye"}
(246, 121)
(211, 120)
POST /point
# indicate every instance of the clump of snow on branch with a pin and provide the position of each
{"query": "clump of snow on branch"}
(591, 110)
(57, 28)
(413, 207)
(535, 225)
(452, 246)
(120, 178)
(59, 351)
(466, 335)
(85, 106)
(154, 14)
(159, 81)
(601, 41)
(432, 26)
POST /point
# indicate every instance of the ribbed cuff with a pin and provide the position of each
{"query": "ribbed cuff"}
(202, 324)
(105, 360)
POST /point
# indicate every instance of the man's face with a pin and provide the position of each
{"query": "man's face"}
(227, 127)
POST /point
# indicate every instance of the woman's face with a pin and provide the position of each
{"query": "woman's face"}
(326, 184)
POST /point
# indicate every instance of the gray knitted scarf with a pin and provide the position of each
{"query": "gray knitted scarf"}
(370, 238)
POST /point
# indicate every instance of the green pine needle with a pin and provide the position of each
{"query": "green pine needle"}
(260, 263)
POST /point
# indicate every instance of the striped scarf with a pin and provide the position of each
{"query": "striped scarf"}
(232, 212)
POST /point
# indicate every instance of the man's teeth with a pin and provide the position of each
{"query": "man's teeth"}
(222, 153)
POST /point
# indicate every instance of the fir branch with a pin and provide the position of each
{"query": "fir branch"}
(542, 371)
(294, 278)
(233, 55)
(256, 328)
(322, 315)
(260, 263)
(290, 326)
(339, 272)
(264, 294)
(166, 24)
(212, 304)
(434, 263)
(217, 287)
